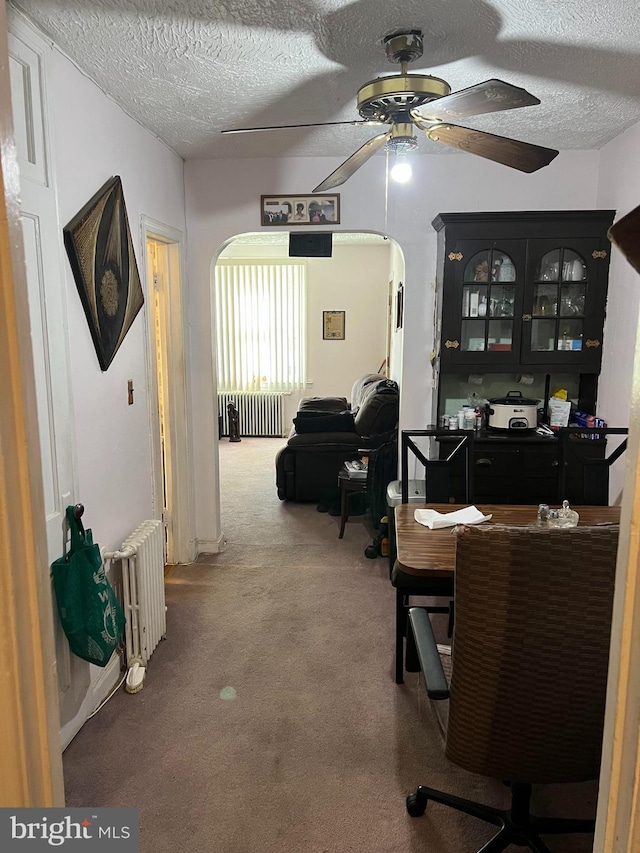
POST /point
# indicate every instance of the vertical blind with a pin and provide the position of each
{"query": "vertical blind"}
(261, 319)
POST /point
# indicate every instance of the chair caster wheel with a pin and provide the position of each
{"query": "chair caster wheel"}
(416, 804)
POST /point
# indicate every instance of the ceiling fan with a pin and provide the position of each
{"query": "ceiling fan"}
(407, 102)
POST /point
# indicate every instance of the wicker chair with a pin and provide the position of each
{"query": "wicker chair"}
(529, 668)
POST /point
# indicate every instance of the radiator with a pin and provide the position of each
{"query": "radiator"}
(260, 414)
(142, 560)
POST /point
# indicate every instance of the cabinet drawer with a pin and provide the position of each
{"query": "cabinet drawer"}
(496, 463)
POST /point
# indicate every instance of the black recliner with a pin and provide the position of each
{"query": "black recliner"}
(328, 431)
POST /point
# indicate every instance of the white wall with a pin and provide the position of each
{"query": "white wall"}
(619, 189)
(358, 287)
(93, 140)
(397, 277)
(355, 280)
(223, 199)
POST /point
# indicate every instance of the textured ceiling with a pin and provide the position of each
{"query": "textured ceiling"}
(187, 69)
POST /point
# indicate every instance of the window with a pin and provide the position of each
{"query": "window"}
(261, 319)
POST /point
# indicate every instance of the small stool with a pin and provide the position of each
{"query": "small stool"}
(348, 485)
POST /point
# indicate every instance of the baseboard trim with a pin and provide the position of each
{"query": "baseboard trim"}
(211, 546)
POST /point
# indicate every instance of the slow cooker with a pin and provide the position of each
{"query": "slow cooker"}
(512, 412)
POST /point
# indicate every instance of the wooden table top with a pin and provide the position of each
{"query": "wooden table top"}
(420, 549)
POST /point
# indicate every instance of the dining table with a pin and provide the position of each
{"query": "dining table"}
(426, 558)
(432, 553)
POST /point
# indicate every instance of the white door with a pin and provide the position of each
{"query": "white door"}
(47, 308)
(157, 284)
(170, 429)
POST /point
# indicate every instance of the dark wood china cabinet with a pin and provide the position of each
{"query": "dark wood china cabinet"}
(520, 294)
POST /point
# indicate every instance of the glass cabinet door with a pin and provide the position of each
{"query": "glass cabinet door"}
(559, 299)
(565, 301)
(488, 302)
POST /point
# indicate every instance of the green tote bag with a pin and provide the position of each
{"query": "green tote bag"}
(89, 610)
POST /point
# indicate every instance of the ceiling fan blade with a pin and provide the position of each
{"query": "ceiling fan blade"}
(625, 234)
(291, 126)
(510, 152)
(353, 163)
(488, 97)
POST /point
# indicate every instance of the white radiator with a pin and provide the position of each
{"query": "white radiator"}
(143, 599)
(259, 413)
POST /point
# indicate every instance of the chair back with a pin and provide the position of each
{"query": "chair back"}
(531, 651)
(593, 468)
(442, 464)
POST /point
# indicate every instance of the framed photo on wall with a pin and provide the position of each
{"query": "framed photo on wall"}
(300, 210)
(333, 325)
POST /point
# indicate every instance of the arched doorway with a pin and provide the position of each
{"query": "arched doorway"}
(363, 279)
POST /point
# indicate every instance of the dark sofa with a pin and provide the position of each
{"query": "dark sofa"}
(327, 431)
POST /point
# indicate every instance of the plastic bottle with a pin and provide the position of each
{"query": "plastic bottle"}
(507, 271)
(469, 419)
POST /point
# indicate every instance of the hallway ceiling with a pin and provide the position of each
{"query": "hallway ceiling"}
(187, 69)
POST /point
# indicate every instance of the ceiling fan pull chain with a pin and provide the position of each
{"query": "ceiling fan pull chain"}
(386, 188)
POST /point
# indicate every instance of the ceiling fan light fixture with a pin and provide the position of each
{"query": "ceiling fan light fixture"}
(401, 172)
(402, 145)
(402, 138)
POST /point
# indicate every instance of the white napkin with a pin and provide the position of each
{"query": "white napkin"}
(435, 520)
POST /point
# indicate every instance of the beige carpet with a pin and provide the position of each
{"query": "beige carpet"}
(269, 721)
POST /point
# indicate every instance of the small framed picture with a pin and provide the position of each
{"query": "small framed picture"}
(300, 210)
(333, 325)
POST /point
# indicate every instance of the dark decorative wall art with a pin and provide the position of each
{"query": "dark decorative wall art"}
(98, 243)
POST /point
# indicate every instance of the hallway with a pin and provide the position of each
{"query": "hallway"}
(269, 721)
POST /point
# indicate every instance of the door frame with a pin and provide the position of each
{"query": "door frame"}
(181, 542)
(29, 718)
